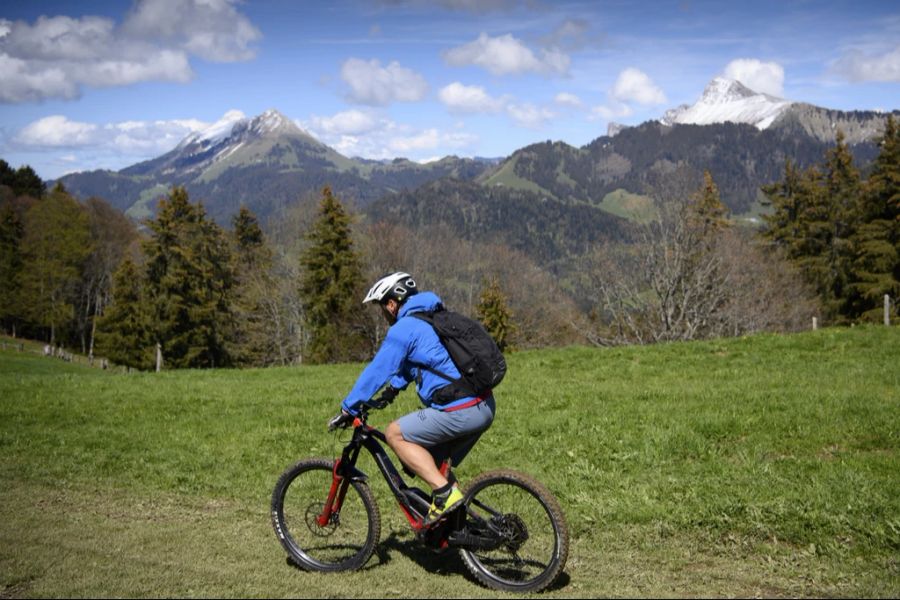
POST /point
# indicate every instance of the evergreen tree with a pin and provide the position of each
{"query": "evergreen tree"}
(27, 183)
(257, 310)
(843, 191)
(123, 333)
(494, 314)
(331, 286)
(11, 264)
(189, 282)
(709, 213)
(814, 219)
(876, 242)
(248, 235)
(22, 181)
(786, 199)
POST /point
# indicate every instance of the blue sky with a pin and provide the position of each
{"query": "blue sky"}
(105, 84)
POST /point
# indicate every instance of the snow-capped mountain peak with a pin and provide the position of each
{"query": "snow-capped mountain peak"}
(727, 100)
(270, 121)
(222, 128)
(235, 123)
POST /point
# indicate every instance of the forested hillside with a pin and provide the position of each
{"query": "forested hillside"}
(188, 292)
(740, 157)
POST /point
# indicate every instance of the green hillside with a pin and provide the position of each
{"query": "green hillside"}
(759, 466)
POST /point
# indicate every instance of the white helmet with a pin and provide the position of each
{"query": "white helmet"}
(397, 286)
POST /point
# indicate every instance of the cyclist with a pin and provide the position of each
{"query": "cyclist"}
(447, 426)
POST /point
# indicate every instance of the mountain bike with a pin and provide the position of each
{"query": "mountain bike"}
(510, 530)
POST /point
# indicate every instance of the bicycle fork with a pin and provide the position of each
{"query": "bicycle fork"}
(336, 495)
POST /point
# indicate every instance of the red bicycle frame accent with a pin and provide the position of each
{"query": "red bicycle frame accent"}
(336, 495)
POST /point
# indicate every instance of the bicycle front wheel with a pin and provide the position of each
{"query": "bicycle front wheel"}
(346, 541)
(527, 523)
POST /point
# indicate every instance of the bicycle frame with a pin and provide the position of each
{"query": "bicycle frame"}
(413, 502)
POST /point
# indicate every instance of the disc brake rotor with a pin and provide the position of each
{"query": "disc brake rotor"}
(513, 531)
(312, 521)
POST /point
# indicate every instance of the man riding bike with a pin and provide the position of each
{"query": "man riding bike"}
(447, 426)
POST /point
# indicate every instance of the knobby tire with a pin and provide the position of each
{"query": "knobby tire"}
(538, 545)
(346, 543)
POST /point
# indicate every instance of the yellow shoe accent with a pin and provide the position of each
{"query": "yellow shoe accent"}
(436, 513)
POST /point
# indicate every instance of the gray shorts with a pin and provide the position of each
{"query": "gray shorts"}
(448, 434)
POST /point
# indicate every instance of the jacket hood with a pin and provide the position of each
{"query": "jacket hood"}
(421, 302)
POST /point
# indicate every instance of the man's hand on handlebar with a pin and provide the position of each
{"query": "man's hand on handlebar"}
(341, 420)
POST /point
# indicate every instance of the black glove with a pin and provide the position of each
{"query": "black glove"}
(387, 396)
(342, 419)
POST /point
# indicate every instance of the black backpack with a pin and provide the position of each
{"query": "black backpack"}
(473, 350)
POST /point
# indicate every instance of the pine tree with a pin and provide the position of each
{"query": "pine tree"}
(494, 314)
(248, 235)
(709, 213)
(786, 200)
(257, 310)
(330, 287)
(876, 242)
(843, 191)
(22, 181)
(124, 334)
(190, 275)
(814, 219)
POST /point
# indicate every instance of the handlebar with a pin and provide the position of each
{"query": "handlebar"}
(344, 419)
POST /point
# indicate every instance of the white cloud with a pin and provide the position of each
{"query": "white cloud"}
(23, 83)
(210, 29)
(469, 99)
(134, 138)
(633, 85)
(857, 66)
(431, 139)
(57, 131)
(369, 135)
(567, 99)
(614, 110)
(348, 122)
(765, 77)
(506, 55)
(529, 115)
(425, 140)
(55, 57)
(370, 83)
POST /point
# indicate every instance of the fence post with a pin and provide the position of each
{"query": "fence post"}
(815, 324)
(887, 309)
(158, 357)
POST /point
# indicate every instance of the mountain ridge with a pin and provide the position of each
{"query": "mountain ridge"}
(267, 162)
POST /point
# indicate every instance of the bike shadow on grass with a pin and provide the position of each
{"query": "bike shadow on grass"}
(446, 563)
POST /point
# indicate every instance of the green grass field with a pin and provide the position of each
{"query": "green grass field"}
(759, 466)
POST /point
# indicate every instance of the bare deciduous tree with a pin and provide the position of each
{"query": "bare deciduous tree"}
(689, 275)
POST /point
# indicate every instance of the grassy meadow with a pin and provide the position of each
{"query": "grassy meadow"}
(759, 466)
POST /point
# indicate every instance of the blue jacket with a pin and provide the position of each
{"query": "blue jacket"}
(409, 344)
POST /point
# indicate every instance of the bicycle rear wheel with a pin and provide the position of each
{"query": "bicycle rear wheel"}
(528, 523)
(346, 542)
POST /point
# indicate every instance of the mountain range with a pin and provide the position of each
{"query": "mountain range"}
(265, 163)
(269, 163)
